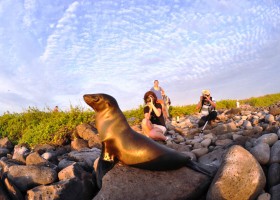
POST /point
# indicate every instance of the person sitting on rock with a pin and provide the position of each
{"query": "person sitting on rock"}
(207, 107)
(153, 124)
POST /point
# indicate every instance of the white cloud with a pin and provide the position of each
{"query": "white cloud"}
(105, 46)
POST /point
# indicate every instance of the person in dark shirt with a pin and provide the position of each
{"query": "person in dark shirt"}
(153, 124)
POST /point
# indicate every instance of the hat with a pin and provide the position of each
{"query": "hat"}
(205, 92)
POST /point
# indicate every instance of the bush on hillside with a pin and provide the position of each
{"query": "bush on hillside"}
(38, 127)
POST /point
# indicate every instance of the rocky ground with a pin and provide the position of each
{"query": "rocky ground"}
(242, 143)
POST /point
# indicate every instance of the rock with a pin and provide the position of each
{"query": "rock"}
(65, 163)
(233, 111)
(87, 132)
(13, 191)
(273, 175)
(261, 152)
(275, 153)
(6, 143)
(35, 159)
(87, 156)
(71, 171)
(26, 177)
(274, 110)
(206, 142)
(212, 158)
(6, 163)
(70, 189)
(3, 193)
(49, 156)
(269, 138)
(79, 144)
(4, 152)
(179, 147)
(253, 132)
(221, 129)
(125, 182)
(200, 152)
(239, 177)
(269, 118)
(275, 192)
(264, 196)
(247, 125)
(223, 142)
(42, 148)
(20, 153)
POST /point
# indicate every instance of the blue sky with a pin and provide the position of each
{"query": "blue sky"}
(53, 52)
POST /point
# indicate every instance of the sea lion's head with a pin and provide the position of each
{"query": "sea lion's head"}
(100, 102)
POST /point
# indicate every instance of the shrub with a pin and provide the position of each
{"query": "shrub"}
(38, 127)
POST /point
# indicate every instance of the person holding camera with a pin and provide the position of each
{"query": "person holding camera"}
(153, 124)
(207, 106)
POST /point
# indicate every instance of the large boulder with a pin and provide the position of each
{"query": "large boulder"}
(70, 189)
(86, 156)
(35, 159)
(124, 182)
(273, 110)
(88, 133)
(13, 191)
(239, 177)
(224, 128)
(26, 177)
(275, 153)
(261, 152)
(6, 143)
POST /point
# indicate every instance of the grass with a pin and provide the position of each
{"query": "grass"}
(34, 127)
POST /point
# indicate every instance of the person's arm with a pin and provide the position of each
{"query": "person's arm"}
(161, 89)
(199, 104)
(213, 103)
(147, 112)
(147, 115)
(156, 110)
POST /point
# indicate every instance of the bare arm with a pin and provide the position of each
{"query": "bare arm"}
(213, 104)
(156, 110)
(199, 104)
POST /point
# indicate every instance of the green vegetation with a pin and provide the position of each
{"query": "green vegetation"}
(38, 127)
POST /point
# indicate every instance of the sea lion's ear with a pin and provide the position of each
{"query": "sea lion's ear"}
(108, 104)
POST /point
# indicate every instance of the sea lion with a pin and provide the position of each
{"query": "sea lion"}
(121, 143)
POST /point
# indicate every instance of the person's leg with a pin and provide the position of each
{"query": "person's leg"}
(157, 134)
(212, 115)
(162, 128)
(167, 110)
(147, 126)
(202, 121)
(164, 111)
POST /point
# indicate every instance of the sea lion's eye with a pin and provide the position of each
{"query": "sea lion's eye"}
(95, 98)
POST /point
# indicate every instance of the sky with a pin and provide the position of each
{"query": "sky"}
(54, 52)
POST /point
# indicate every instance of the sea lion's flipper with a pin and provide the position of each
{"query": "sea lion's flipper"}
(103, 167)
(209, 170)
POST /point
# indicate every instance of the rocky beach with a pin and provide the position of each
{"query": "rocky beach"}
(242, 143)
